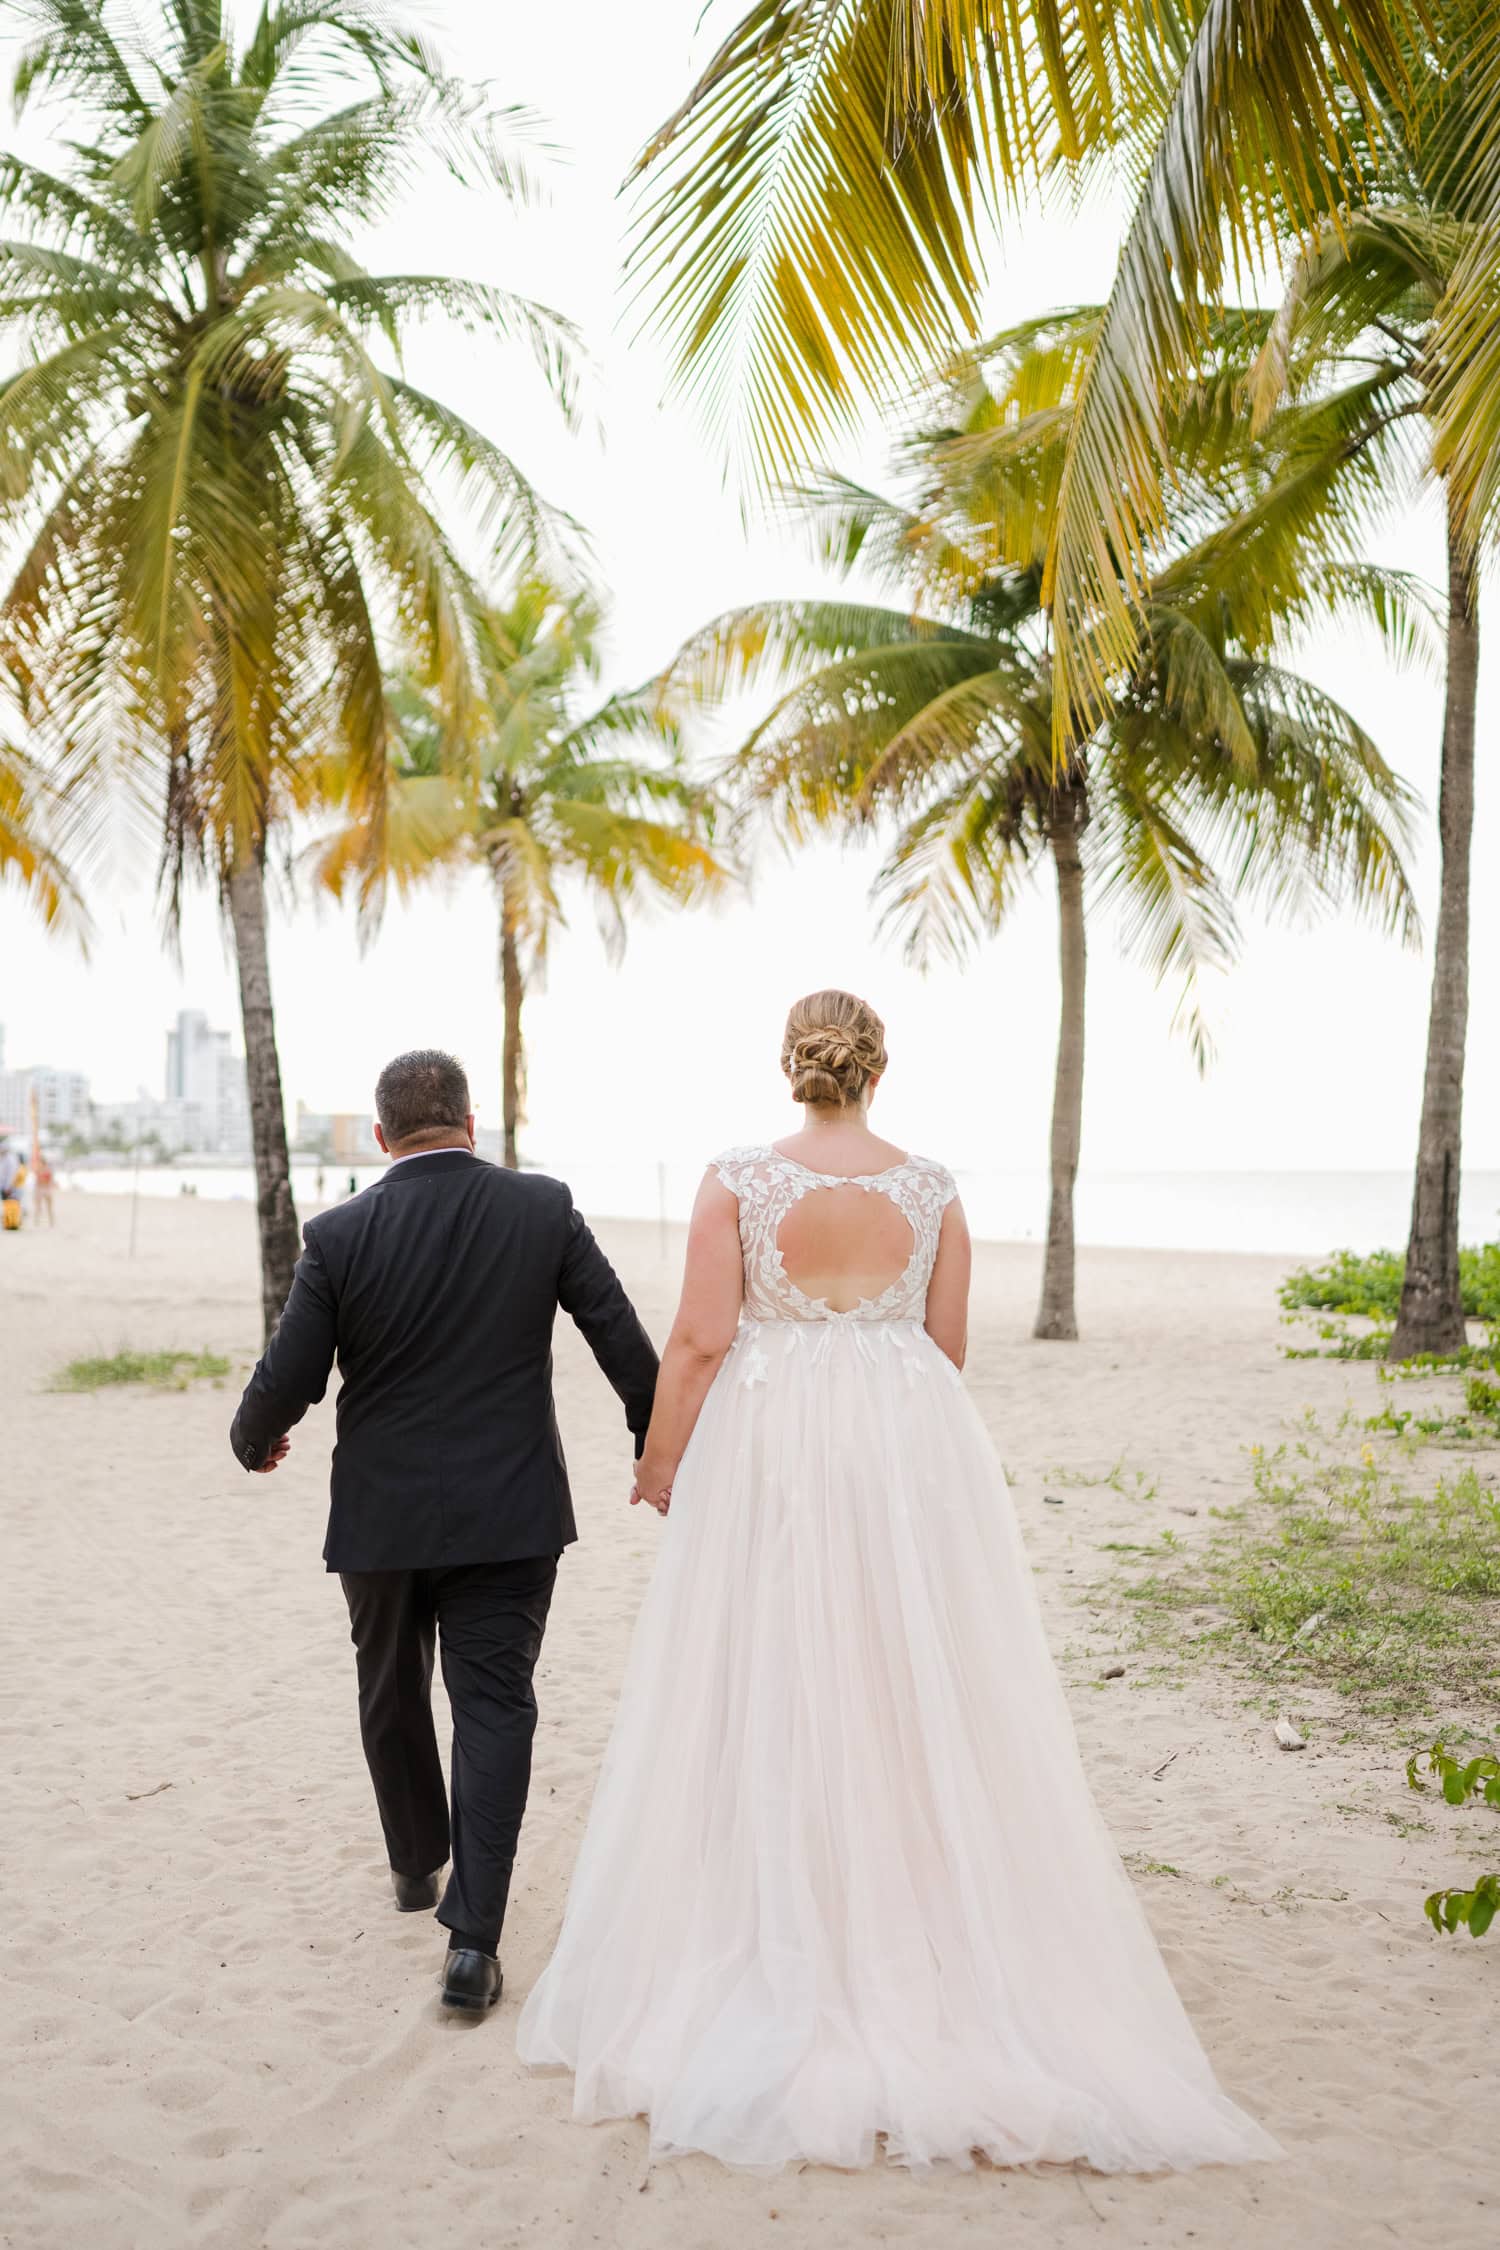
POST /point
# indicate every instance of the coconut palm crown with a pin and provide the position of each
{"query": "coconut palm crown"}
(550, 788)
(222, 489)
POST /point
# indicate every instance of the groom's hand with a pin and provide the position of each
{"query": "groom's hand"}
(275, 1457)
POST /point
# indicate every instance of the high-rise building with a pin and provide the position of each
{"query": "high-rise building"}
(207, 1078)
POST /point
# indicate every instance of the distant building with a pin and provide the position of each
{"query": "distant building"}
(177, 1128)
(208, 1101)
(205, 1109)
(62, 1097)
(340, 1136)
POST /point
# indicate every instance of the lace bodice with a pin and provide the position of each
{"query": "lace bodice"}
(767, 1185)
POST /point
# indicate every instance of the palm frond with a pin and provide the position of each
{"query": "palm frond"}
(792, 638)
(1282, 83)
(71, 49)
(957, 868)
(1171, 909)
(803, 231)
(29, 857)
(387, 299)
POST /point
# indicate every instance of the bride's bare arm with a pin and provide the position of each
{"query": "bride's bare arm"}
(947, 1319)
(708, 1314)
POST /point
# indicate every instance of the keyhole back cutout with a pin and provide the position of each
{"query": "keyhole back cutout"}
(844, 1246)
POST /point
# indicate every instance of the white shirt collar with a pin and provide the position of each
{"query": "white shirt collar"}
(413, 1153)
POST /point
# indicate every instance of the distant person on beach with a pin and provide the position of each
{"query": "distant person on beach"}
(353, 1185)
(41, 1192)
(12, 1173)
(436, 1290)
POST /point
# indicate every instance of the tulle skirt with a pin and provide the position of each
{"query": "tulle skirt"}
(843, 1876)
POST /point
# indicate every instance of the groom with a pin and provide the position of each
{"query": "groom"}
(436, 1290)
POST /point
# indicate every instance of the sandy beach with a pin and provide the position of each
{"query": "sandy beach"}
(217, 2030)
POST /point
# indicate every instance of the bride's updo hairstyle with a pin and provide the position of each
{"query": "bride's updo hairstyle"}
(834, 1045)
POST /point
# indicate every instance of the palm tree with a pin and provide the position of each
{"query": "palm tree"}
(1370, 291)
(218, 494)
(817, 212)
(542, 789)
(1218, 772)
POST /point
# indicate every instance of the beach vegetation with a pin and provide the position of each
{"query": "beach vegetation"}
(1473, 1907)
(1460, 1779)
(1348, 1570)
(1369, 1286)
(1121, 1476)
(161, 1370)
(1470, 1427)
(1358, 1298)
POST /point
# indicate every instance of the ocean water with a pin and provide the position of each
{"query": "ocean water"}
(1306, 1214)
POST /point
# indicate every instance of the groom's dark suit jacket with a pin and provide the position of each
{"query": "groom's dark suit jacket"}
(436, 1289)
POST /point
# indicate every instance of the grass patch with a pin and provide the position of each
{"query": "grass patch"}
(1478, 1424)
(1131, 1484)
(1346, 1571)
(164, 1371)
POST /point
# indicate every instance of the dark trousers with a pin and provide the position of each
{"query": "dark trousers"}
(487, 1620)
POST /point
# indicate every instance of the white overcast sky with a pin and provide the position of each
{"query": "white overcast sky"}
(1320, 1030)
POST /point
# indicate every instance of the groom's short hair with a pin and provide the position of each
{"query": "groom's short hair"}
(425, 1091)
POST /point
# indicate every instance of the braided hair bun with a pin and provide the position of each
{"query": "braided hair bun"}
(834, 1045)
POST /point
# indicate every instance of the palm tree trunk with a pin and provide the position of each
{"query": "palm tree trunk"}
(1431, 1317)
(277, 1214)
(512, 1064)
(1057, 1316)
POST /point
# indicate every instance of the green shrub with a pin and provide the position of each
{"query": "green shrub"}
(1478, 1907)
(1369, 1287)
(1482, 1398)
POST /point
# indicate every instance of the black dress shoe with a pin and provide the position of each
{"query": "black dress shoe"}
(415, 1894)
(471, 1980)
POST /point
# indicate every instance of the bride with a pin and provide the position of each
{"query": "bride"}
(843, 1878)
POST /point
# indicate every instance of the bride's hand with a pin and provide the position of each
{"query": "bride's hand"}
(651, 1486)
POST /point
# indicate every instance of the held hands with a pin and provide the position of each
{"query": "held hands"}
(652, 1484)
(275, 1457)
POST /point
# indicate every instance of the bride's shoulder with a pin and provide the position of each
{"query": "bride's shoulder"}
(733, 1166)
(934, 1176)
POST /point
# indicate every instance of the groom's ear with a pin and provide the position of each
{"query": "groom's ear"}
(469, 1129)
(381, 1142)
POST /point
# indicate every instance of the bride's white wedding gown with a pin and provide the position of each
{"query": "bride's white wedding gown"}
(843, 1875)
